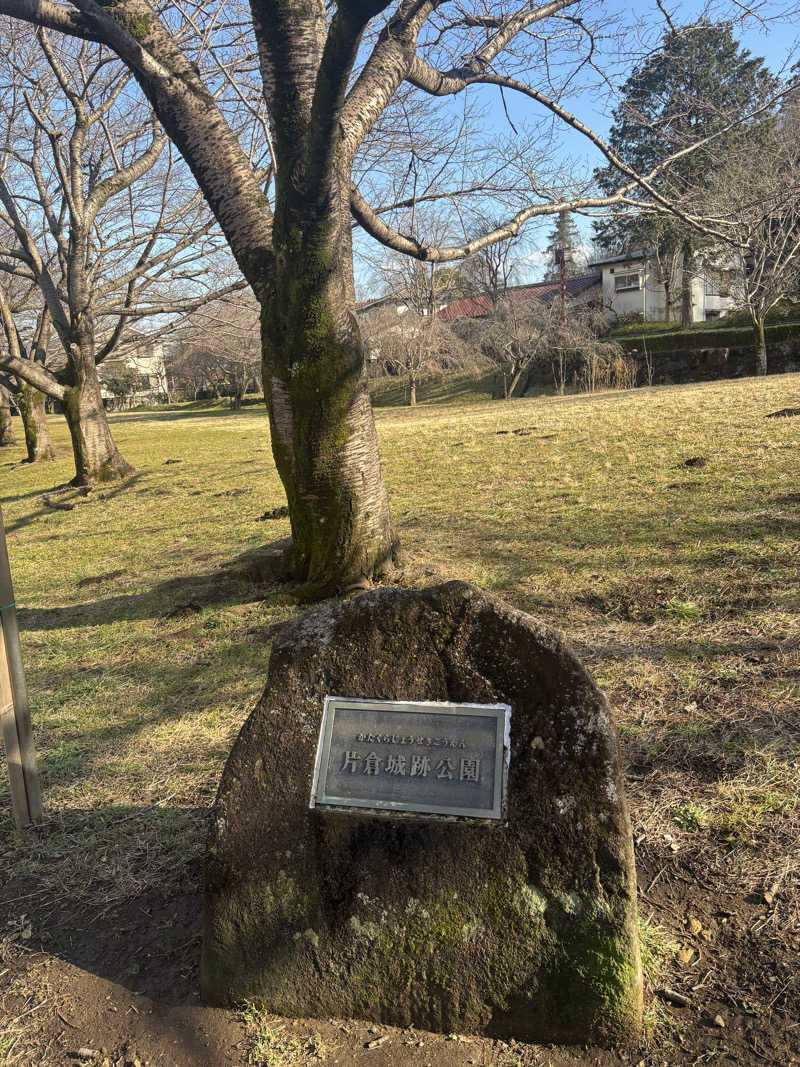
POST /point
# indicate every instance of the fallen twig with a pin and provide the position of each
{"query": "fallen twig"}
(28, 1012)
(673, 997)
(67, 506)
(143, 811)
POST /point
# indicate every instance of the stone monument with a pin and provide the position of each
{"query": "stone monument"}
(492, 891)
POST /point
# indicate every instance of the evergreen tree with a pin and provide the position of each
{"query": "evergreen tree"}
(698, 82)
(564, 238)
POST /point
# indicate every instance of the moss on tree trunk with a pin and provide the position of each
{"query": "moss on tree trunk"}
(97, 458)
(34, 419)
(323, 432)
(7, 435)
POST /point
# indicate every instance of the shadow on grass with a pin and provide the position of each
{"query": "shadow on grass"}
(178, 692)
(568, 530)
(117, 892)
(251, 576)
(256, 410)
(394, 393)
(66, 493)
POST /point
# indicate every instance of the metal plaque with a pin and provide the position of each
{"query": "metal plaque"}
(421, 758)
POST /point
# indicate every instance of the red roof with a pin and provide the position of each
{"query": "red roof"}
(473, 307)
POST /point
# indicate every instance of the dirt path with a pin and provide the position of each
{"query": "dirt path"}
(123, 987)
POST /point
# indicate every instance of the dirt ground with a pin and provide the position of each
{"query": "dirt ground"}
(120, 988)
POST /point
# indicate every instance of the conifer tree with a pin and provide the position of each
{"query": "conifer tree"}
(564, 238)
(684, 92)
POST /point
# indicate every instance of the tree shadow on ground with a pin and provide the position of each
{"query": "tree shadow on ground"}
(95, 897)
(255, 410)
(250, 576)
(68, 494)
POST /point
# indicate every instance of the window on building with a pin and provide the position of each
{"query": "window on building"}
(712, 283)
(627, 281)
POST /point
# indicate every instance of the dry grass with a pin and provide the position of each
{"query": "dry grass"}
(677, 583)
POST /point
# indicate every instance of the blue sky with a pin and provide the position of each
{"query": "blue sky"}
(774, 40)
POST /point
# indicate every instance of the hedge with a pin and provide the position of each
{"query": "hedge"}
(692, 340)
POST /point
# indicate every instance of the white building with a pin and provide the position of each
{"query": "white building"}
(146, 359)
(632, 284)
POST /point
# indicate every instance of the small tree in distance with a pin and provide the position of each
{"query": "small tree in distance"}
(219, 350)
(122, 382)
(405, 336)
(758, 205)
(522, 332)
(415, 346)
(564, 238)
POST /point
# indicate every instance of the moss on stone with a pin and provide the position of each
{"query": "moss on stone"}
(595, 982)
(526, 930)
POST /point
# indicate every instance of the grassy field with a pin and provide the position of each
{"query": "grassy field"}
(658, 529)
(438, 389)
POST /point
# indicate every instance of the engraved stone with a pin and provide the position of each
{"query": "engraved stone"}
(524, 926)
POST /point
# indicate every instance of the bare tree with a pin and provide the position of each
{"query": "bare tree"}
(404, 336)
(27, 333)
(330, 73)
(188, 373)
(492, 269)
(26, 330)
(522, 332)
(98, 217)
(7, 435)
(220, 347)
(756, 193)
(415, 346)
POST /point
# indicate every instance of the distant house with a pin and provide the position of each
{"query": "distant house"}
(632, 285)
(580, 292)
(370, 309)
(146, 360)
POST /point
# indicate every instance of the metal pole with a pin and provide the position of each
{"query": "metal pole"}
(17, 730)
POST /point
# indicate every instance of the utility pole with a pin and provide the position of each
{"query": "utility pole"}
(561, 261)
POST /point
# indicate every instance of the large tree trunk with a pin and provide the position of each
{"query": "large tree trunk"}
(412, 392)
(97, 458)
(668, 298)
(760, 341)
(323, 432)
(7, 435)
(37, 433)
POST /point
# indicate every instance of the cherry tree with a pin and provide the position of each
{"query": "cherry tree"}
(758, 207)
(26, 328)
(334, 78)
(97, 215)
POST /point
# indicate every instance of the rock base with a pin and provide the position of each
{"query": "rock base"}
(526, 930)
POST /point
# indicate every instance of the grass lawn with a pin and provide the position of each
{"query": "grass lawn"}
(657, 528)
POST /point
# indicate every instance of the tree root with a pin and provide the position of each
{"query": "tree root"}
(65, 505)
